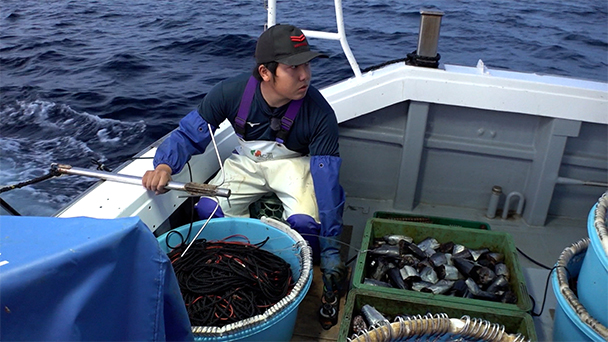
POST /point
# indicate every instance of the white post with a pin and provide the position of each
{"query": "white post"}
(341, 36)
(271, 7)
(343, 41)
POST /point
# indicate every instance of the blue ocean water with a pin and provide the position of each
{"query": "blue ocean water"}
(85, 79)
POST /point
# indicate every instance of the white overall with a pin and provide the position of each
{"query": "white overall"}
(261, 167)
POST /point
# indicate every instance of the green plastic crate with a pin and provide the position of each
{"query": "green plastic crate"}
(390, 306)
(431, 220)
(472, 238)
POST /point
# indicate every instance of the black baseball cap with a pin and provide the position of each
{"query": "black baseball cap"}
(284, 44)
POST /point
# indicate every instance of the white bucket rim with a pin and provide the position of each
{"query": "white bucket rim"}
(574, 308)
(597, 227)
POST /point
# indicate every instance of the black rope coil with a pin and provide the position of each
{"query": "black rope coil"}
(223, 282)
(415, 59)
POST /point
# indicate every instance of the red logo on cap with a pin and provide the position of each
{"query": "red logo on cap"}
(301, 38)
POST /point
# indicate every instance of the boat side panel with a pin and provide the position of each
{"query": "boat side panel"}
(585, 158)
(371, 150)
(512, 92)
(466, 151)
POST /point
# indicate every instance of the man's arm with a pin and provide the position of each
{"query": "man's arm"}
(325, 171)
(190, 138)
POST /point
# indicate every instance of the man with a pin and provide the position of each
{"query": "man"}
(288, 136)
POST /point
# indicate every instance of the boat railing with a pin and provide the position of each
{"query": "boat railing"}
(271, 7)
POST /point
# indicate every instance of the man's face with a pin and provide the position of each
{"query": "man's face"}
(291, 82)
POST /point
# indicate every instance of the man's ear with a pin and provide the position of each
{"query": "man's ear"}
(264, 73)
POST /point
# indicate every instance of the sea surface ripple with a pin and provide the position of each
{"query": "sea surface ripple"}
(100, 80)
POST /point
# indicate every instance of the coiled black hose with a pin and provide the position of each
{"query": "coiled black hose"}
(223, 282)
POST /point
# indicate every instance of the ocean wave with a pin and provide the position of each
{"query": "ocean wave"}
(229, 45)
(14, 62)
(65, 24)
(34, 45)
(13, 16)
(579, 37)
(88, 97)
(125, 65)
(84, 132)
(164, 24)
(50, 56)
(38, 133)
(23, 159)
(105, 79)
(111, 16)
(39, 199)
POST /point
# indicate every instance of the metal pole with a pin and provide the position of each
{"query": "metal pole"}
(271, 7)
(428, 38)
(349, 54)
(192, 188)
(340, 36)
(8, 208)
(496, 192)
(571, 181)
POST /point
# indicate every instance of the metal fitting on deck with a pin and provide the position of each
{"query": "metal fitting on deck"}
(494, 198)
(428, 38)
(520, 204)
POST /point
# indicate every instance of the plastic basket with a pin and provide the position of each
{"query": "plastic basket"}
(472, 238)
(443, 221)
(391, 305)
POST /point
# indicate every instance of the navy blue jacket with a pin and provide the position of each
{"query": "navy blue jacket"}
(314, 131)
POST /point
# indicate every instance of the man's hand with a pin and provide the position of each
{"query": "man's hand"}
(334, 270)
(334, 279)
(157, 179)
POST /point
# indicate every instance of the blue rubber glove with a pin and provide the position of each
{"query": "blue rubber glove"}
(333, 268)
(330, 201)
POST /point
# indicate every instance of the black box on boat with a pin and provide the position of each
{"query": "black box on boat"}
(431, 220)
(391, 306)
(500, 242)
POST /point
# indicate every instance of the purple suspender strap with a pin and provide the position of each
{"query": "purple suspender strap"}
(241, 117)
(288, 118)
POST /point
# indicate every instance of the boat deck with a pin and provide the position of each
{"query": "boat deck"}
(543, 244)
(307, 326)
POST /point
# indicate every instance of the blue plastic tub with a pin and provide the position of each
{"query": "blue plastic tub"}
(572, 322)
(593, 279)
(284, 242)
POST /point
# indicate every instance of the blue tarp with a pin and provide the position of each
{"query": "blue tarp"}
(86, 279)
